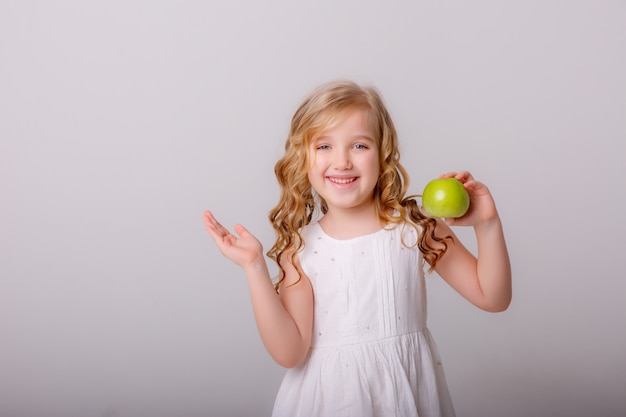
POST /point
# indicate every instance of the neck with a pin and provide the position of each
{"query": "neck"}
(347, 224)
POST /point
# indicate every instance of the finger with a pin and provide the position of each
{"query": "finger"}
(208, 218)
(211, 222)
(463, 176)
(219, 233)
(242, 231)
(475, 187)
(450, 174)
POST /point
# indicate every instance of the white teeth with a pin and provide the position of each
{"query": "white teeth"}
(342, 180)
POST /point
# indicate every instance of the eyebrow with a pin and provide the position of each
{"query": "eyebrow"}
(359, 137)
(365, 137)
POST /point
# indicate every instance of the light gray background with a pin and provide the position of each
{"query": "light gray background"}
(121, 121)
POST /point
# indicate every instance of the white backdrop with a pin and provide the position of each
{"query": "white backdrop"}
(121, 121)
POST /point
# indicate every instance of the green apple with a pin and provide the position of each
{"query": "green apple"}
(445, 198)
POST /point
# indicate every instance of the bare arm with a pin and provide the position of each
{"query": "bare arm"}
(484, 280)
(284, 321)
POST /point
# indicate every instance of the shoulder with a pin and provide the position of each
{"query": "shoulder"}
(406, 230)
(310, 231)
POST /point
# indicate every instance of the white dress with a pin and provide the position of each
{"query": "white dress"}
(371, 352)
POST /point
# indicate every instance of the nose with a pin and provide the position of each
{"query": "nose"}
(342, 160)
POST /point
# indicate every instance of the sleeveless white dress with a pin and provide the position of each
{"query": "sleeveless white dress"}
(371, 354)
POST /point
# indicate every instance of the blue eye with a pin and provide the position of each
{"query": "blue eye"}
(323, 147)
(360, 146)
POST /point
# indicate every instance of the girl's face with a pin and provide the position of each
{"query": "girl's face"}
(344, 165)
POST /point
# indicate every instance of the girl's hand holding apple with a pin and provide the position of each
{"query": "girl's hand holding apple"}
(468, 205)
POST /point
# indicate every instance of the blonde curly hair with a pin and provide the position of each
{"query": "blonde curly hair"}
(320, 111)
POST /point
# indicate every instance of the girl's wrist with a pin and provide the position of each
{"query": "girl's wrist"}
(258, 264)
(488, 224)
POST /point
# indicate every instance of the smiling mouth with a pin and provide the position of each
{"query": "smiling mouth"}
(342, 180)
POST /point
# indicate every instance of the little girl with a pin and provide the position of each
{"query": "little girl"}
(347, 314)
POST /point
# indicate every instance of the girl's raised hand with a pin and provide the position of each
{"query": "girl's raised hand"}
(243, 250)
(482, 206)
